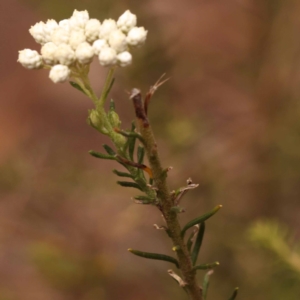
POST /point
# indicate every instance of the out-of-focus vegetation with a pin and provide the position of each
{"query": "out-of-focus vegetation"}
(229, 118)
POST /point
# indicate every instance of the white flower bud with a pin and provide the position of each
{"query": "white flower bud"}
(76, 38)
(37, 32)
(126, 21)
(65, 54)
(98, 45)
(79, 19)
(59, 73)
(108, 57)
(92, 29)
(108, 26)
(124, 58)
(48, 53)
(82, 15)
(60, 36)
(84, 53)
(30, 59)
(117, 41)
(49, 28)
(65, 24)
(136, 36)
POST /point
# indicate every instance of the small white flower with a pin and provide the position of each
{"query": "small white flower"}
(65, 24)
(60, 36)
(48, 53)
(92, 29)
(59, 73)
(98, 45)
(82, 15)
(108, 57)
(49, 28)
(124, 58)
(108, 26)
(65, 54)
(76, 38)
(84, 53)
(136, 36)
(79, 19)
(126, 21)
(37, 32)
(117, 41)
(30, 59)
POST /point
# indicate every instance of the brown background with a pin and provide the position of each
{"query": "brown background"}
(229, 118)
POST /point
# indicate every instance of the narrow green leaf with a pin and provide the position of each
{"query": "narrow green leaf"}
(109, 150)
(150, 181)
(109, 88)
(131, 146)
(234, 294)
(101, 155)
(140, 154)
(141, 175)
(206, 284)
(206, 266)
(156, 256)
(200, 219)
(198, 243)
(177, 209)
(128, 139)
(122, 174)
(77, 86)
(129, 184)
(143, 198)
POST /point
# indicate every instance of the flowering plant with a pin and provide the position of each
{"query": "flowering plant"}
(67, 49)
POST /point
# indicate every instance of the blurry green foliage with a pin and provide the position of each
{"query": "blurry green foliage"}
(276, 238)
(66, 270)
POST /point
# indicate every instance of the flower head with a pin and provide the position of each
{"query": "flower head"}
(126, 21)
(59, 73)
(137, 36)
(108, 57)
(69, 44)
(30, 59)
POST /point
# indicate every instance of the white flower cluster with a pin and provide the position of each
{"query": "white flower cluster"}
(78, 39)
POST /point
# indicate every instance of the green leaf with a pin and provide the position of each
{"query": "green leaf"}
(206, 284)
(206, 266)
(131, 145)
(77, 86)
(109, 88)
(156, 256)
(130, 142)
(177, 209)
(144, 198)
(109, 150)
(234, 294)
(140, 154)
(101, 155)
(200, 219)
(129, 184)
(122, 174)
(198, 243)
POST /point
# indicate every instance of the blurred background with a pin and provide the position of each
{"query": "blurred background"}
(229, 118)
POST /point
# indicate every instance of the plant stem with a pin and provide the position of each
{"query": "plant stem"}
(107, 84)
(166, 203)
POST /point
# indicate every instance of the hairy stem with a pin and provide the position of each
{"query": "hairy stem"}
(166, 201)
